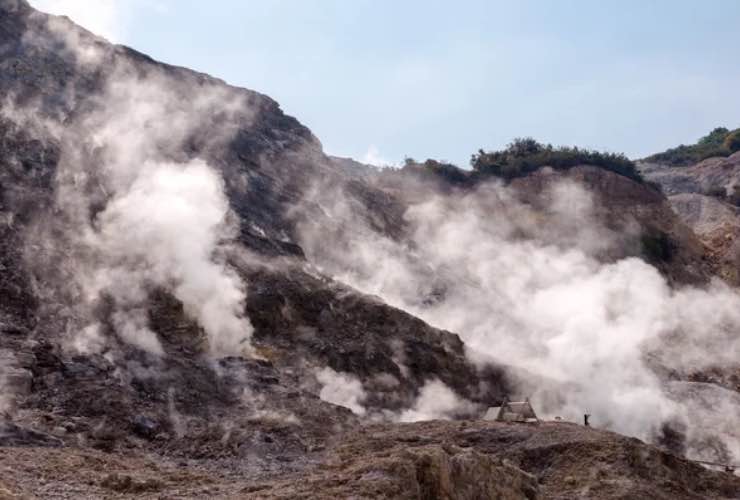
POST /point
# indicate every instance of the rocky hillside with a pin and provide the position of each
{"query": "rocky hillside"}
(176, 320)
(703, 195)
(267, 161)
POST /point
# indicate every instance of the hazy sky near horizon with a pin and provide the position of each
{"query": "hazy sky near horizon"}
(379, 80)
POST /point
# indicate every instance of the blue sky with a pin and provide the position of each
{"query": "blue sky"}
(380, 80)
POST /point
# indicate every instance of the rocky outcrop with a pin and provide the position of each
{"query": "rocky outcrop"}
(304, 319)
(713, 175)
(702, 195)
(423, 472)
(717, 224)
(429, 460)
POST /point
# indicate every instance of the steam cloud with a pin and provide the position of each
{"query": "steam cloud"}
(538, 296)
(134, 212)
(341, 389)
(164, 230)
(435, 401)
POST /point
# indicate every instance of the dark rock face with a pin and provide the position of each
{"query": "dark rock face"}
(144, 426)
(305, 318)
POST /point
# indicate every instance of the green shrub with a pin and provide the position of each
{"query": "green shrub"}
(525, 155)
(732, 141)
(714, 138)
(719, 142)
(446, 171)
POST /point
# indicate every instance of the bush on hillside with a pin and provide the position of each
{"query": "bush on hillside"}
(720, 142)
(525, 155)
(446, 171)
(732, 141)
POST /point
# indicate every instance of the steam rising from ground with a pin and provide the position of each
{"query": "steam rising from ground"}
(435, 401)
(524, 286)
(164, 230)
(136, 211)
(341, 389)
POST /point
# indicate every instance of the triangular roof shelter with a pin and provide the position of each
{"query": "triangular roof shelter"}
(512, 411)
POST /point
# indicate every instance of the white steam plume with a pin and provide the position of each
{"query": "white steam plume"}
(135, 212)
(526, 288)
(164, 230)
(373, 157)
(165, 224)
(342, 389)
(435, 401)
